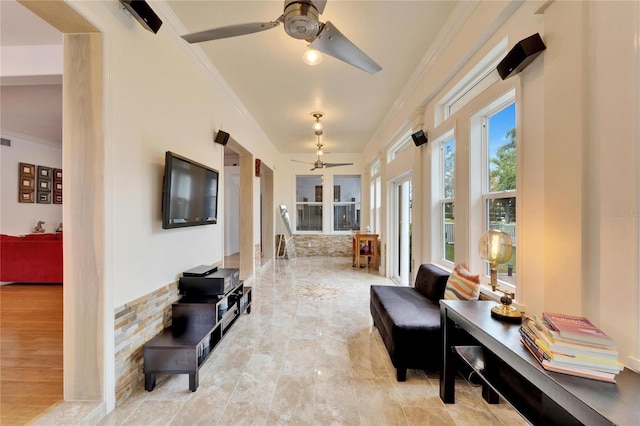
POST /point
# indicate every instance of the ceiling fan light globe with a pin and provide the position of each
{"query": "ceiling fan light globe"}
(312, 57)
(318, 127)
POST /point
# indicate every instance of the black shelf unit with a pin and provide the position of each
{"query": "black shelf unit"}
(198, 324)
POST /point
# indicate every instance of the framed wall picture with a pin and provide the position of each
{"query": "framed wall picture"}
(27, 183)
(44, 172)
(43, 194)
(44, 185)
(44, 197)
(25, 196)
(27, 170)
(57, 186)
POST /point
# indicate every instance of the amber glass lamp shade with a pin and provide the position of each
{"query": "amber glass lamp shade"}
(495, 248)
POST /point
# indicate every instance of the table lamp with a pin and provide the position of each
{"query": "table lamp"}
(495, 248)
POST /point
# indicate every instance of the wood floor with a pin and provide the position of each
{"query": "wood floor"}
(30, 350)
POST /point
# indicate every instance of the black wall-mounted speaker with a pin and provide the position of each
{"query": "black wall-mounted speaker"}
(143, 13)
(419, 138)
(222, 137)
(520, 56)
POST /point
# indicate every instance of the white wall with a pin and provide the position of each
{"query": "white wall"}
(158, 98)
(285, 181)
(20, 218)
(578, 136)
(615, 128)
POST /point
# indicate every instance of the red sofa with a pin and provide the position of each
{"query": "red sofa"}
(33, 258)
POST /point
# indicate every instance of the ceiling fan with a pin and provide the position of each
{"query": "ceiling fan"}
(301, 21)
(318, 164)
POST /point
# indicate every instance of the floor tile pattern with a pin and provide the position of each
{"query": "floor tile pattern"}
(307, 354)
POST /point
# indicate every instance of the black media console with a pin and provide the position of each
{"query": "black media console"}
(199, 322)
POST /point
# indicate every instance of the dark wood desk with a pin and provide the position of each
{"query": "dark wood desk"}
(540, 396)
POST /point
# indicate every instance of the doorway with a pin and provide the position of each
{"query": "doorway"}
(231, 208)
(401, 232)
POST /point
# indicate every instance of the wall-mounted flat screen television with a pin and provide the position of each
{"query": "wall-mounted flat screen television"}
(189, 193)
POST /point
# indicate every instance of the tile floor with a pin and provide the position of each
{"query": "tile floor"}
(307, 354)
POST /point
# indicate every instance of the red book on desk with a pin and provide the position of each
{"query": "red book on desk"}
(577, 329)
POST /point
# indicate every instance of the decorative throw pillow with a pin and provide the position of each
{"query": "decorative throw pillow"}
(462, 285)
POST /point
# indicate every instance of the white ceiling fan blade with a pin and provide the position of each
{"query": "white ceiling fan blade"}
(337, 164)
(230, 31)
(303, 162)
(334, 43)
(319, 5)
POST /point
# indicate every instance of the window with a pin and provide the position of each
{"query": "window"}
(346, 203)
(447, 198)
(480, 77)
(309, 203)
(402, 144)
(375, 169)
(499, 179)
(378, 227)
(375, 194)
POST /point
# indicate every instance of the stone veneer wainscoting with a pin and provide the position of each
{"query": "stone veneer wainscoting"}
(135, 324)
(308, 245)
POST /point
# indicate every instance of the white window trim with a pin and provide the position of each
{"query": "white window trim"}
(310, 203)
(481, 76)
(480, 192)
(344, 203)
(401, 145)
(446, 137)
(375, 168)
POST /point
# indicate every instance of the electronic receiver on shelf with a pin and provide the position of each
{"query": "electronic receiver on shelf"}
(213, 284)
(200, 271)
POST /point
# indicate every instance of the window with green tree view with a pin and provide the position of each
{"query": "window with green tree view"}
(447, 200)
(499, 193)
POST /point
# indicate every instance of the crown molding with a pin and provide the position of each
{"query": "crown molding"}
(174, 27)
(12, 135)
(458, 17)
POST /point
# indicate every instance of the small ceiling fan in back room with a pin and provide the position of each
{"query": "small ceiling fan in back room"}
(318, 164)
(301, 21)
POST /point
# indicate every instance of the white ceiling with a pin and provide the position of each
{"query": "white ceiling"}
(20, 27)
(266, 71)
(29, 106)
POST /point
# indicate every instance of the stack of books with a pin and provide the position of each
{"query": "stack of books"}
(571, 345)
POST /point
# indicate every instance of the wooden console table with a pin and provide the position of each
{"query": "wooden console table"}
(371, 241)
(511, 372)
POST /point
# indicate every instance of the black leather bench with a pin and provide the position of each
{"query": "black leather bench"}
(408, 319)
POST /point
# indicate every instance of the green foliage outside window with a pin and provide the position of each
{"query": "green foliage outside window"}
(503, 171)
